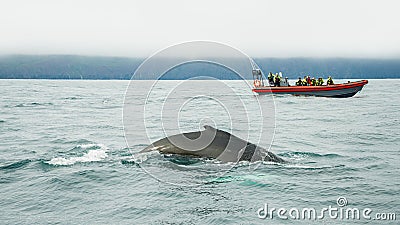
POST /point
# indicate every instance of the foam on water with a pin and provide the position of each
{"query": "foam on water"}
(93, 155)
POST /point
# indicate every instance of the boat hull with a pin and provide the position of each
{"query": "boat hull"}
(334, 91)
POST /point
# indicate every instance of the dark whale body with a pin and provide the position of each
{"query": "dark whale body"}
(212, 143)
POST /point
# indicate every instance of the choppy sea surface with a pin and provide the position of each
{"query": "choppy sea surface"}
(64, 159)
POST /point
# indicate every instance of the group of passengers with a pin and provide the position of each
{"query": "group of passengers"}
(307, 81)
(275, 80)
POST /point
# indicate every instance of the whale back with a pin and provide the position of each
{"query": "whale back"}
(212, 143)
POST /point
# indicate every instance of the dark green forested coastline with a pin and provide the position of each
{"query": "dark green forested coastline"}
(93, 67)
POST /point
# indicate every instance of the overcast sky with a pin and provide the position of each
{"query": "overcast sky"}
(281, 28)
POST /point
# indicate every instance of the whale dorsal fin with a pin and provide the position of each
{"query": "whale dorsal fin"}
(211, 128)
(208, 127)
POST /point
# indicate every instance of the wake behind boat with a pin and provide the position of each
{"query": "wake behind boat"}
(306, 88)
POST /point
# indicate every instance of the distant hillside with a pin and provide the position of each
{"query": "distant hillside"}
(86, 67)
(67, 67)
(337, 67)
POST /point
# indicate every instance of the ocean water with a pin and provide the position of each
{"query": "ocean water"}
(64, 159)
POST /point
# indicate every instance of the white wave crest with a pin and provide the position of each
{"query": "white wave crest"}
(93, 155)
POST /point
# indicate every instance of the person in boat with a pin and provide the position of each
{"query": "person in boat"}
(329, 81)
(299, 82)
(277, 80)
(320, 81)
(270, 78)
(313, 81)
(308, 79)
(304, 81)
